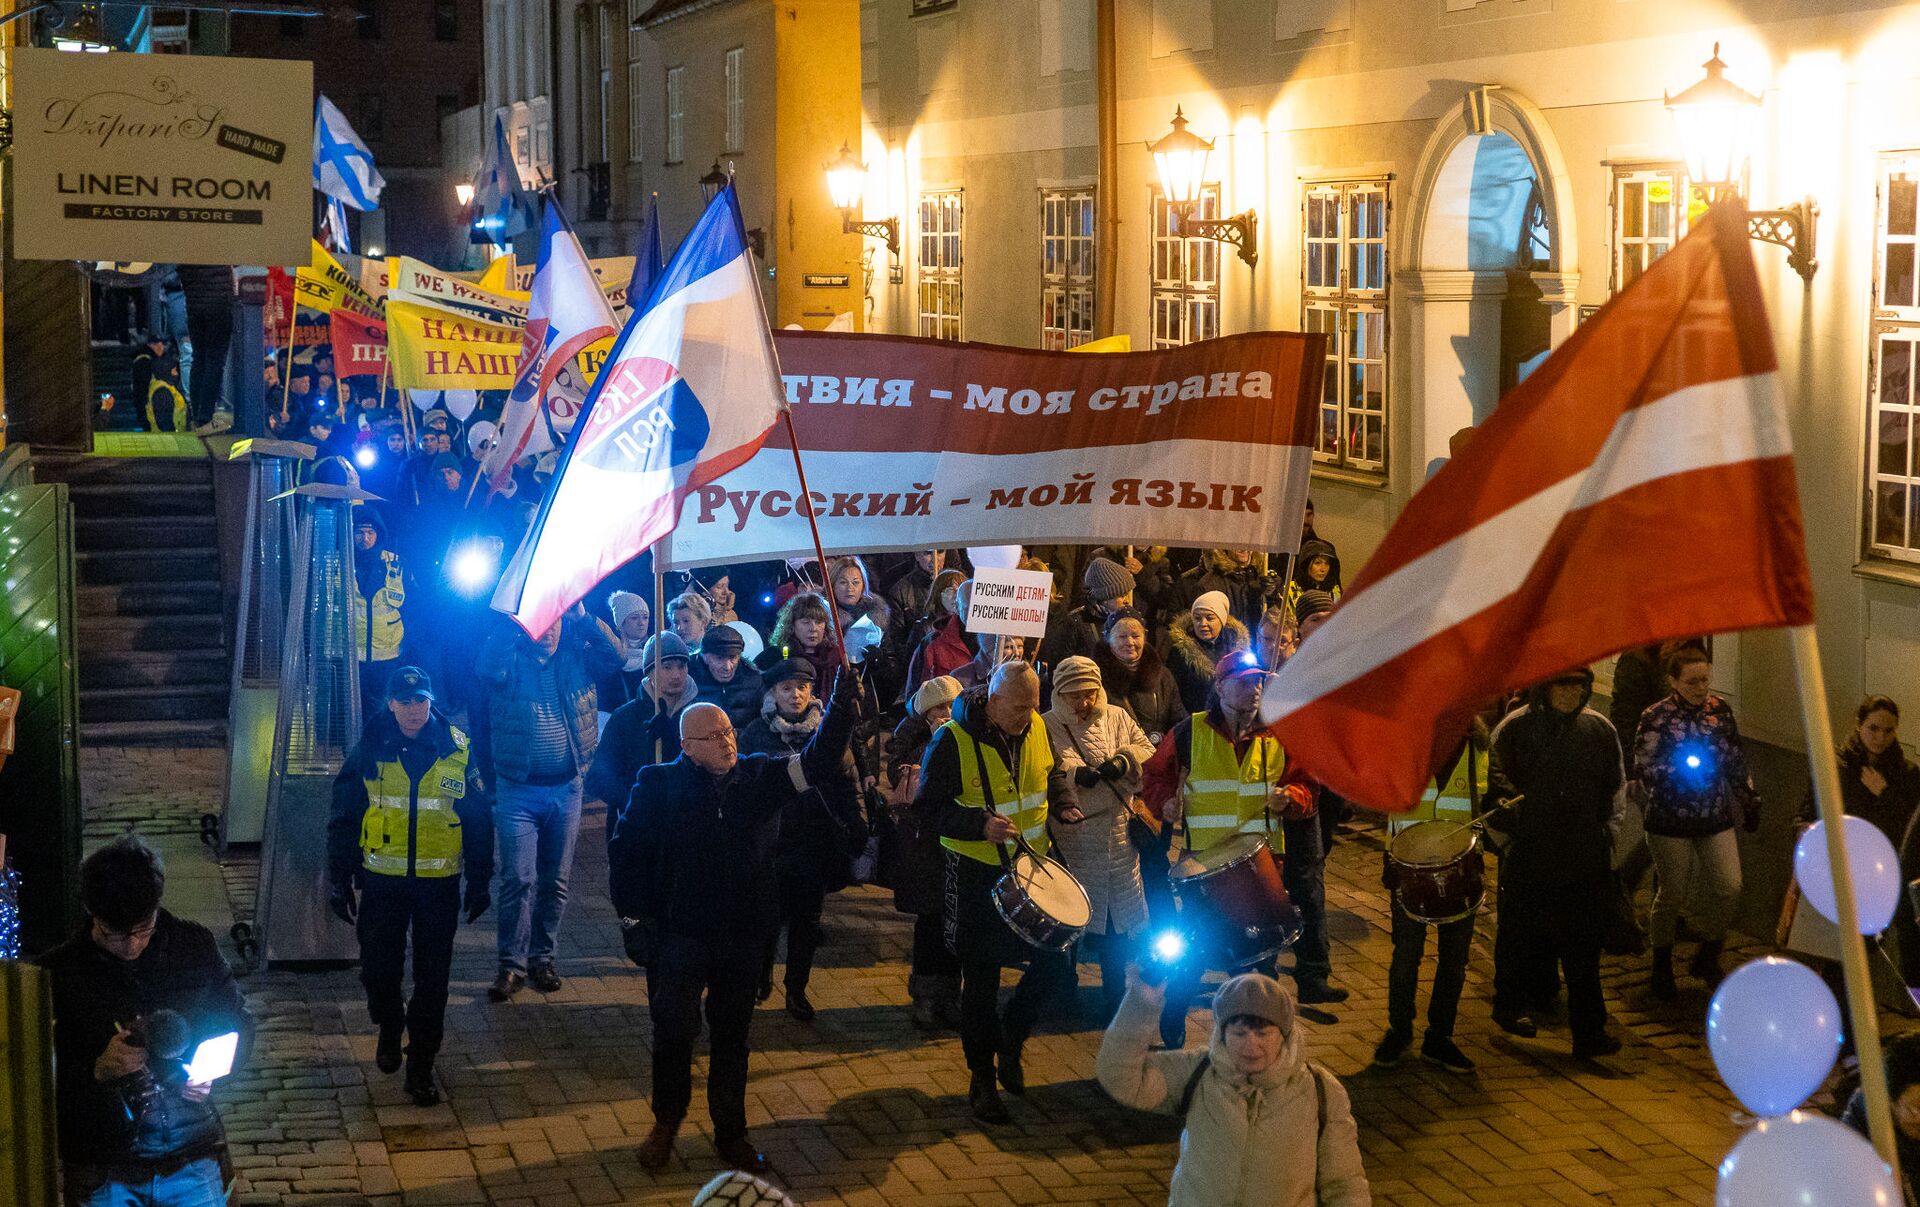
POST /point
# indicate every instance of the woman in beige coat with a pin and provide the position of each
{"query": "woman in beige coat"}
(1103, 748)
(1264, 1126)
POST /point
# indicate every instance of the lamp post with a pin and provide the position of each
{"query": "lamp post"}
(718, 178)
(1717, 120)
(1182, 157)
(846, 178)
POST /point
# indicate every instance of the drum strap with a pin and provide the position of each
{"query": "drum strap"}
(986, 789)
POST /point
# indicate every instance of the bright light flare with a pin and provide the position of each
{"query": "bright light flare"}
(1169, 946)
(365, 456)
(474, 570)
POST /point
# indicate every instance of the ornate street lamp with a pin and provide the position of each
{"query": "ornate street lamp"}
(1181, 158)
(1717, 120)
(846, 177)
(718, 178)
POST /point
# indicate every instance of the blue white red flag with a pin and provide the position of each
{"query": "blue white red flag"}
(649, 263)
(687, 394)
(566, 311)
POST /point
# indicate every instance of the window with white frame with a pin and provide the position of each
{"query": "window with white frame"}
(1185, 296)
(1343, 279)
(676, 112)
(1893, 469)
(736, 100)
(1652, 206)
(1066, 268)
(940, 252)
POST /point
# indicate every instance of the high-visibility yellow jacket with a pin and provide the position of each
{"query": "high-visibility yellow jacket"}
(386, 822)
(1226, 794)
(377, 627)
(1019, 793)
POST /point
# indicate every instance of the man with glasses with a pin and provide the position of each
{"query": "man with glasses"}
(133, 1130)
(692, 876)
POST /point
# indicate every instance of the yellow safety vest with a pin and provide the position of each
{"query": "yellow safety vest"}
(1225, 795)
(414, 829)
(1029, 792)
(163, 395)
(1451, 801)
(380, 640)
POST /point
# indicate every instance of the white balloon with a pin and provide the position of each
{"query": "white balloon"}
(1873, 862)
(1774, 1031)
(1804, 1160)
(461, 402)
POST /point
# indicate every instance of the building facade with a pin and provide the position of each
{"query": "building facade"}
(1444, 187)
(396, 68)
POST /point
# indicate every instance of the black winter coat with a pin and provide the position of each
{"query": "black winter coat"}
(740, 696)
(694, 852)
(821, 829)
(182, 970)
(1559, 838)
(1147, 691)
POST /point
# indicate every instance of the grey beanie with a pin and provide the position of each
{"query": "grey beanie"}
(1258, 995)
(1106, 579)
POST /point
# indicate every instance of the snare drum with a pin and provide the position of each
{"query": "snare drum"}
(1439, 869)
(1041, 902)
(1233, 902)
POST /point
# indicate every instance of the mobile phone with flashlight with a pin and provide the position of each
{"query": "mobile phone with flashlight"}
(1165, 952)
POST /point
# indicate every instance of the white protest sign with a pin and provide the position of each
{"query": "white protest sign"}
(1011, 602)
(182, 159)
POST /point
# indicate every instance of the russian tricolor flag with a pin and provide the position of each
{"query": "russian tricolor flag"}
(687, 394)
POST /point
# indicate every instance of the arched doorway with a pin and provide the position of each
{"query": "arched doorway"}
(1488, 267)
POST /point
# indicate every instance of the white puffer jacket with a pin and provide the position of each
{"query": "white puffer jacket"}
(1098, 851)
(1249, 1142)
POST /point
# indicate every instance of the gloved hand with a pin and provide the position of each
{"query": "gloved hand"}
(477, 902)
(1086, 777)
(1113, 768)
(343, 905)
(640, 941)
(846, 689)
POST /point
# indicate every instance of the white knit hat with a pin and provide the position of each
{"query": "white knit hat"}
(1215, 602)
(624, 604)
(941, 689)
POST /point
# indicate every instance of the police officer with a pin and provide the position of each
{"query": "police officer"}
(408, 817)
(380, 592)
(1217, 776)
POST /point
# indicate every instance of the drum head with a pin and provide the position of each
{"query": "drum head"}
(1052, 887)
(1217, 856)
(1433, 843)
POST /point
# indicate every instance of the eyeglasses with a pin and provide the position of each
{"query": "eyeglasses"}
(138, 932)
(729, 737)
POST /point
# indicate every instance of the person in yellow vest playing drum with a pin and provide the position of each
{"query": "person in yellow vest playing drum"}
(990, 779)
(1457, 799)
(409, 817)
(1216, 776)
(380, 593)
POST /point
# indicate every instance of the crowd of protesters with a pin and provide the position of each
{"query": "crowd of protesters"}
(812, 727)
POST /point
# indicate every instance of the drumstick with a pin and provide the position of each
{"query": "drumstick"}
(1481, 820)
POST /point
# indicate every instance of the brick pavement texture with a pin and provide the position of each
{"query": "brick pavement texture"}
(546, 1095)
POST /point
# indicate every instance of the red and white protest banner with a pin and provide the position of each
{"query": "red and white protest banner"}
(917, 444)
(359, 344)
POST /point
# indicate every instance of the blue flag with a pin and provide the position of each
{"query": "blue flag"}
(648, 263)
(502, 206)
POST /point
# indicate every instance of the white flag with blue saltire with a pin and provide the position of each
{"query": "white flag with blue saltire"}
(502, 206)
(342, 165)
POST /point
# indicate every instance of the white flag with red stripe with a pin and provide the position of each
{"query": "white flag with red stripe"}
(1637, 487)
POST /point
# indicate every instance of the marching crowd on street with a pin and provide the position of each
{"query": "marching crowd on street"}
(812, 727)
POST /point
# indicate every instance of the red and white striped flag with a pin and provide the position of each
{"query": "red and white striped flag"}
(1637, 487)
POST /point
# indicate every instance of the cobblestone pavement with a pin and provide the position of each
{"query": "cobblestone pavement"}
(546, 1095)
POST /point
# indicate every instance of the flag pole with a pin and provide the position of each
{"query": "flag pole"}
(1865, 1020)
(286, 377)
(819, 552)
(659, 627)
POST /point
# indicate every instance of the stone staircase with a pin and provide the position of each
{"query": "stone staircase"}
(154, 664)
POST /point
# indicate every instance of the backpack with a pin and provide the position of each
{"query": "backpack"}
(1206, 1062)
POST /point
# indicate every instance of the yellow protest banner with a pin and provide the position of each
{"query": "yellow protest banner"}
(313, 293)
(345, 285)
(429, 348)
(500, 276)
(1113, 343)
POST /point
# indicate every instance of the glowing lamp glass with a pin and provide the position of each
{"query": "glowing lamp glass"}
(1716, 120)
(1181, 159)
(846, 177)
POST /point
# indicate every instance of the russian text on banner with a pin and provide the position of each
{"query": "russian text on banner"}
(1653, 436)
(433, 349)
(927, 444)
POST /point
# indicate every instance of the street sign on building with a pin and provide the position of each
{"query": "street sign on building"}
(167, 158)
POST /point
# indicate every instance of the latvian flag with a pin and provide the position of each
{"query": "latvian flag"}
(1637, 487)
(687, 394)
